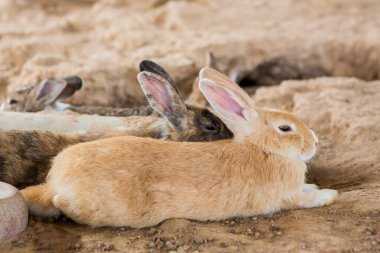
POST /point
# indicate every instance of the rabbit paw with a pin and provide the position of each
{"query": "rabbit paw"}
(309, 187)
(327, 196)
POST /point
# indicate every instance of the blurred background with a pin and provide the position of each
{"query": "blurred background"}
(103, 41)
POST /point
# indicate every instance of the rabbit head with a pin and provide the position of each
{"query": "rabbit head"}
(187, 123)
(276, 132)
(40, 97)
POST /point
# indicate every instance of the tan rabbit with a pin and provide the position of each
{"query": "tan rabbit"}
(44, 95)
(139, 182)
(25, 156)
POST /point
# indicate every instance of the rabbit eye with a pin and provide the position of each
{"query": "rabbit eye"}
(209, 128)
(13, 101)
(285, 128)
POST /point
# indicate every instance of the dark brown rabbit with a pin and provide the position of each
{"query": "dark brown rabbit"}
(25, 156)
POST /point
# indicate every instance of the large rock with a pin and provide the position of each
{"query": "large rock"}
(13, 212)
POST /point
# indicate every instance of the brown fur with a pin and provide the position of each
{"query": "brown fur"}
(115, 112)
(25, 156)
(139, 182)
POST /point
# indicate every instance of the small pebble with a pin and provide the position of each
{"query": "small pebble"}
(330, 219)
(151, 245)
(186, 247)
(151, 231)
(232, 223)
(195, 251)
(254, 218)
(123, 229)
(374, 243)
(18, 243)
(170, 245)
(257, 235)
(370, 231)
(278, 233)
(223, 245)
(198, 241)
(249, 231)
(75, 246)
(108, 247)
(233, 231)
(375, 213)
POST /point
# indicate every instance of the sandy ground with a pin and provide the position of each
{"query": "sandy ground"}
(103, 41)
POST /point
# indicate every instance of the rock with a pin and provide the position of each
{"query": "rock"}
(257, 235)
(233, 231)
(151, 245)
(249, 231)
(199, 241)
(109, 247)
(75, 246)
(170, 245)
(151, 231)
(18, 243)
(13, 212)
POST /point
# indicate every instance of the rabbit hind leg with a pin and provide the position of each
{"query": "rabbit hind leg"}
(39, 200)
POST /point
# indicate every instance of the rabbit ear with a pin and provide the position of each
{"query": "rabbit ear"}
(233, 106)
(51, 89)
(210, 60)
(222, 80)
(164, 99)
(73, 84)
(153, 67)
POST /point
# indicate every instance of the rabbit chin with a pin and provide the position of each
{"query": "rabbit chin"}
(307, 156)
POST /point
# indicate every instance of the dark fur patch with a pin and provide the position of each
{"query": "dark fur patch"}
(153, 67)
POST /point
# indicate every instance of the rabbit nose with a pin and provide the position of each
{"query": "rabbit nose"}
(314, 136)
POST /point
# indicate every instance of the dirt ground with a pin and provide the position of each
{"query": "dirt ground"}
(339, 38)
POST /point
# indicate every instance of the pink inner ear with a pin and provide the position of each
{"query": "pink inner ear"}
(225, 100)
(158, 92)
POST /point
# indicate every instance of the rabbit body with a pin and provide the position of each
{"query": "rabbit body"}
(217, 181)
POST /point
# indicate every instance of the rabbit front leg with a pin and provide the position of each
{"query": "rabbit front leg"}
(310, 196)
(309, 187)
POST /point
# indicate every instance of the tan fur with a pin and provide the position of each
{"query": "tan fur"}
(139, 182)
